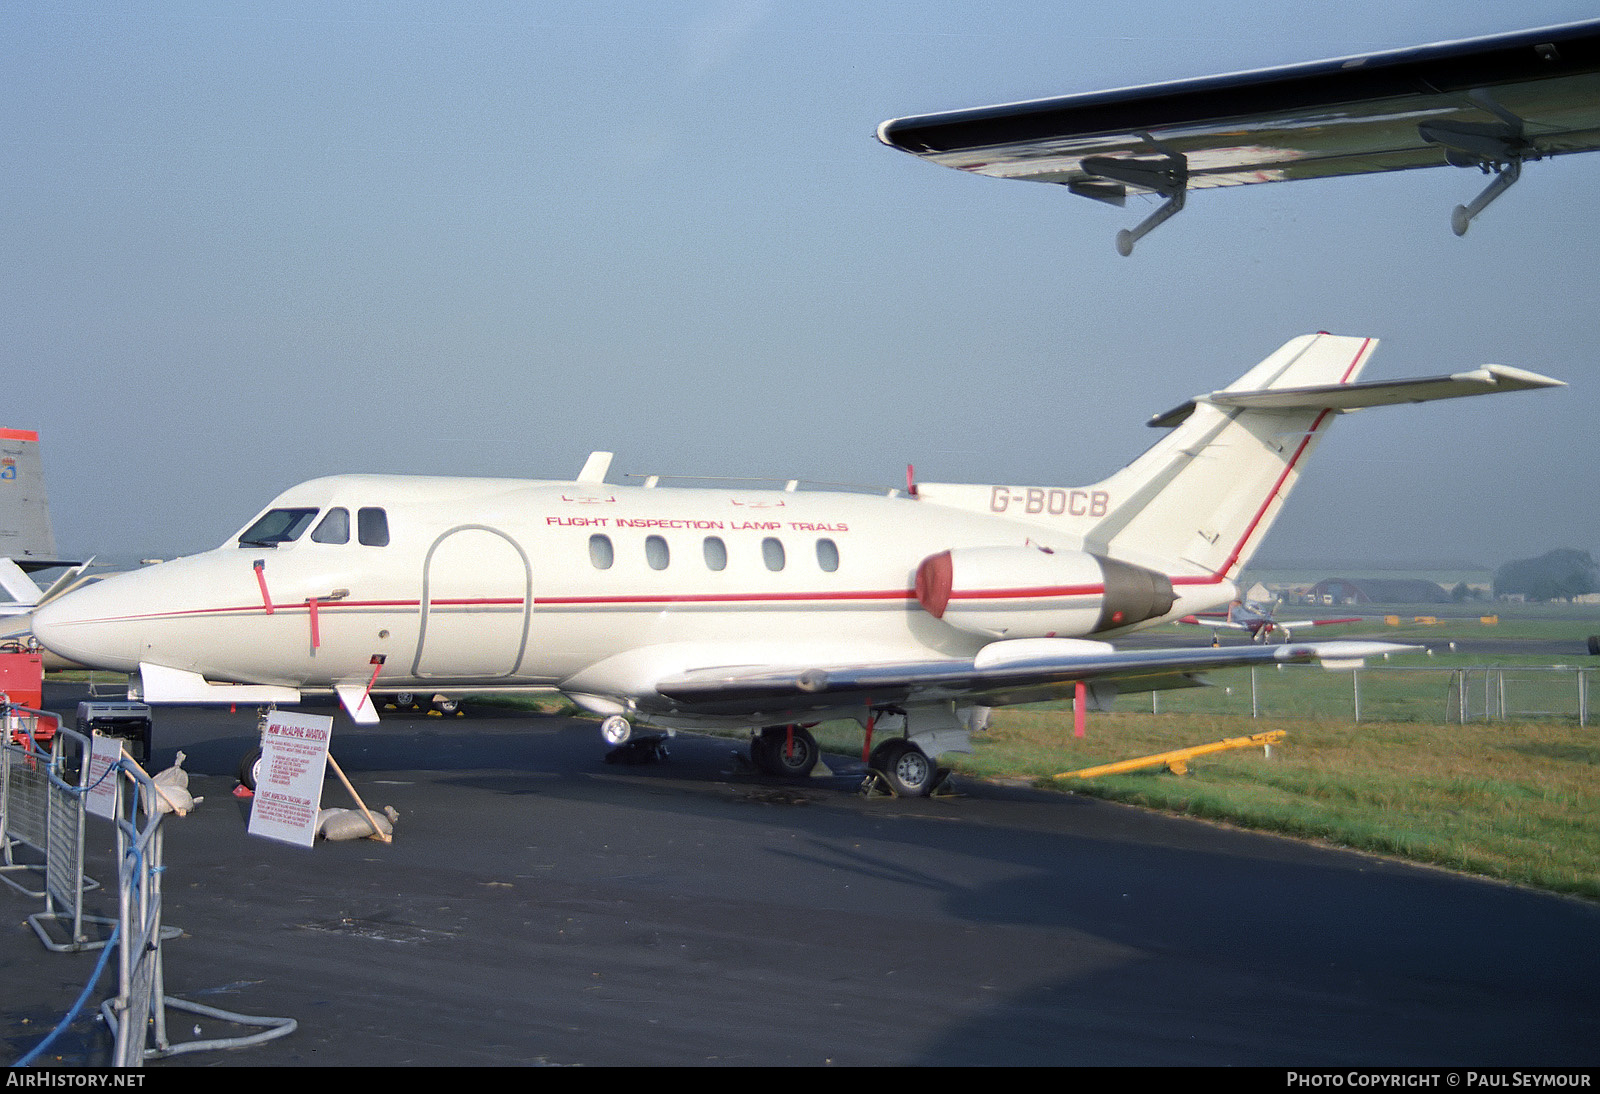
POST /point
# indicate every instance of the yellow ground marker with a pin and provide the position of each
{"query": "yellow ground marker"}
(1176, 761)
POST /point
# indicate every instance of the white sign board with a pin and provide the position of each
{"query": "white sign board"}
(294, 759)
(101, 798)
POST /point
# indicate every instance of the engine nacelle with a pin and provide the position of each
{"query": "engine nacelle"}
(1032, 592)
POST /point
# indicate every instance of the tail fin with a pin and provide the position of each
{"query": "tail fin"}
(1201, 499)
(1198, 503)
(25, 534)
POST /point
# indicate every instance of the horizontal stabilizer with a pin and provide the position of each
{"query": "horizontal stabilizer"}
(71, 579)
(1488, 380)
(18, 584)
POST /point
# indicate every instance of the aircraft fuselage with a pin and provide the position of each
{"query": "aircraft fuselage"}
(496, 583)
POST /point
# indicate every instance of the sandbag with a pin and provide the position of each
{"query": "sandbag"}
(342, 824)
(172, 789)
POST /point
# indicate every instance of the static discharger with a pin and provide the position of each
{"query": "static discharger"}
(1177, 761)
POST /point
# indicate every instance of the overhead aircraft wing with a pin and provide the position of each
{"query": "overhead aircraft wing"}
(1492, 102)
(1024, 670)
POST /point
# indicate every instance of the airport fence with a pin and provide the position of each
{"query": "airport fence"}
(1392, 693)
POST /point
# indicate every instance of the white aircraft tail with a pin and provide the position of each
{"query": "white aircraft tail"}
(27, 542)
(1200, 500)
(1203, 497)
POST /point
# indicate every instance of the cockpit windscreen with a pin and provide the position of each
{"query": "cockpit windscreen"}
(277, 526)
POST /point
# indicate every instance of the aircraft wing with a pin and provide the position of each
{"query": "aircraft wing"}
(1217, 622)
(1005, 673)
(1483, 102)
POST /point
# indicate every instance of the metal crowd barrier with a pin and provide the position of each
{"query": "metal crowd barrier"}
(137, 1016)
(42, 810)
(23, 810)
(42, 805)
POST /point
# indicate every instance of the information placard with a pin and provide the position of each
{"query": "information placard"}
(101, 799)
(294, 760)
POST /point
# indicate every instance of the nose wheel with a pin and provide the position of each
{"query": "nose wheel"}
(250, 769)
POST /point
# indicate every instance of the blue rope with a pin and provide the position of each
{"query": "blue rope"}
(77, 1008)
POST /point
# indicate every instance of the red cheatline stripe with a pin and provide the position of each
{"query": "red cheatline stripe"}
(1043, 591)
(860, 596)
(499, 602)
(728, 598)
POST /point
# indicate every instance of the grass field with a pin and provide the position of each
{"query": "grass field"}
(1518, 801)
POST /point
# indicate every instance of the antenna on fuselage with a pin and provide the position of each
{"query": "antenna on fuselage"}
(595, 468)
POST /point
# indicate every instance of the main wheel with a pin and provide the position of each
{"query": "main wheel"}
(773, 753)
(910, 772)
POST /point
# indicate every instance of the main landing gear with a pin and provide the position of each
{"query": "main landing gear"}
(791, 752)
(908, 771)
(416, 700)
(897, 764)
(786, 752)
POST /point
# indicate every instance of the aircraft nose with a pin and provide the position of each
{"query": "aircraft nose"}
(86, 627)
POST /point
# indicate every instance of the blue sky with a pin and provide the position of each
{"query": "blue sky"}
(250, 244)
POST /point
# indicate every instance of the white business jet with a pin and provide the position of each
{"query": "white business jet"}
(741, 609)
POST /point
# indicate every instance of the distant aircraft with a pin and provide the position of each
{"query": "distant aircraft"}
(1491, 103)
(27, 542)
(748, 610)
(1257, 621)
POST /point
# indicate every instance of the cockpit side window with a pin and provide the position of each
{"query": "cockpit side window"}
(277, 526)
(372, 527)
(334, 528)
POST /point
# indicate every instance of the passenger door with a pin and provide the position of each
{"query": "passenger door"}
(477, 587)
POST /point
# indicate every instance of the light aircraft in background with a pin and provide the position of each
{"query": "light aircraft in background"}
(1257, 621)
(1490, 103)
(734, 609)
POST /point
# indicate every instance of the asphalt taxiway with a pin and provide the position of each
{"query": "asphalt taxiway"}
(541, 907)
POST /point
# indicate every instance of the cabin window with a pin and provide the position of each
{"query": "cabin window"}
(716, 553)
(278, 526)
(372, 527)
(828, 555)
(772, 553)
(655, 552)
(600, 552)
(335, 527)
